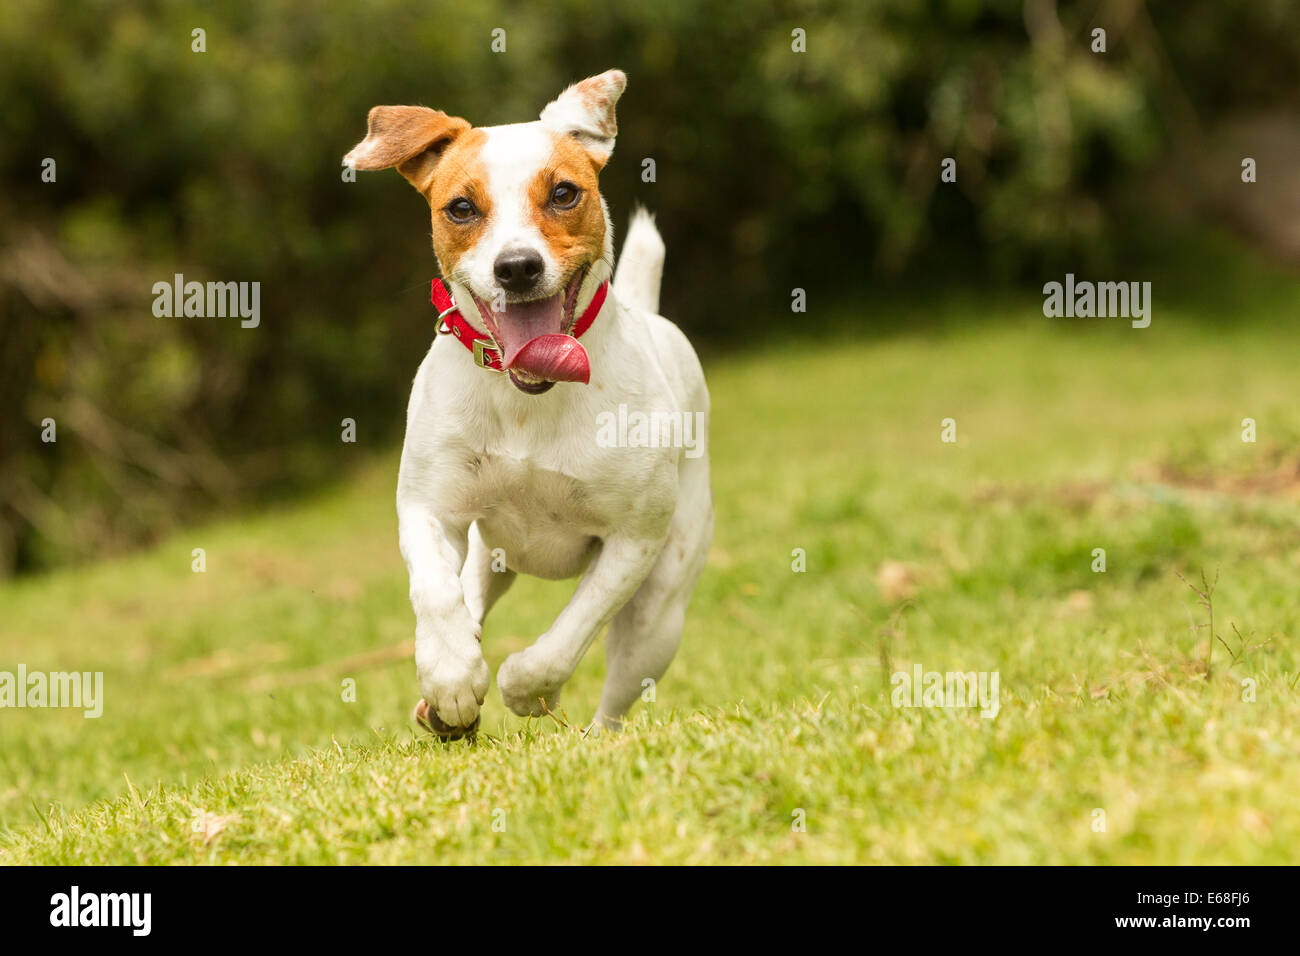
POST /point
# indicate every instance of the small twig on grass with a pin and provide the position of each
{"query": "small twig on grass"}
(1206, 593)
(542, 701)
(1229, 649)
(1240, 656)
(895, 628)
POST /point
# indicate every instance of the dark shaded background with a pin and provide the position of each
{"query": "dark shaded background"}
(775, 170)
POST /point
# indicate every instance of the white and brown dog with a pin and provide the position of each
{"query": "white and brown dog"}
(504, 471)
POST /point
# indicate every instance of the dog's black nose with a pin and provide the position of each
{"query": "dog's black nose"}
(518, 269)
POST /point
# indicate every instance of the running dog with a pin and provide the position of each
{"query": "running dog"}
(504, 468)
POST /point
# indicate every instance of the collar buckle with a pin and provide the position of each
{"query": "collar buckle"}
(481, 359)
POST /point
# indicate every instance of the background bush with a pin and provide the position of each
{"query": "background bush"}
(774, 170)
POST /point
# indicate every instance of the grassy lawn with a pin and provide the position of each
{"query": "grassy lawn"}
(225, 736)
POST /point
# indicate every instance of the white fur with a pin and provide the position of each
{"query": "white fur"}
(486, 466)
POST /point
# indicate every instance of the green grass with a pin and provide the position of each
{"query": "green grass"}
(225, 737)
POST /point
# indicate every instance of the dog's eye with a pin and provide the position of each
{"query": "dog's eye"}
(460, 210)
(565, 195)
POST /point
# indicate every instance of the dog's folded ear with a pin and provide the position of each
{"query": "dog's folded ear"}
(586, 111)
(411, 138)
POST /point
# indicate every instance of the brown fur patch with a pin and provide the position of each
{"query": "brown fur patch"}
(459, 172)
(397, 135)
(576, 236)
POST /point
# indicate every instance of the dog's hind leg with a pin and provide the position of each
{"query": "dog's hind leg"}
(484, 576)
(645, 634)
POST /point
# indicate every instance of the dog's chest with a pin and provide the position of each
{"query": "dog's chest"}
(536, 474)
(546, 512)
(544, 521)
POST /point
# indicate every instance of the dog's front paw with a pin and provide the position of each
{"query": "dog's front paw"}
(453, 690)
(529, 687)
(428, 718)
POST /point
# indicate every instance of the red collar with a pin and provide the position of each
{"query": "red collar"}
(486, 353)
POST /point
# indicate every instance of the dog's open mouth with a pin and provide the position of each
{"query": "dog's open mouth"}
(536, 348)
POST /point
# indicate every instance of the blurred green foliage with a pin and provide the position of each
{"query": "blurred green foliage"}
(774, 169)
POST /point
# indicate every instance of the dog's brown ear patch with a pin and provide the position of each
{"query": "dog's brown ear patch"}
(411, 138)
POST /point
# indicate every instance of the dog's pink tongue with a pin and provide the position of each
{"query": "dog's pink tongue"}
(556, 357)
(532, 342)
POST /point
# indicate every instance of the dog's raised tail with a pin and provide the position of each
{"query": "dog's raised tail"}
(641, 266)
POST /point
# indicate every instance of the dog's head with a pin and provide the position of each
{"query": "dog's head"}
(518, 220)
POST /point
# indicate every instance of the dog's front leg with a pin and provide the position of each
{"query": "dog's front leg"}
(531, 679)
(449, 661)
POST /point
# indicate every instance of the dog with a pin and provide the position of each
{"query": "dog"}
(503, 471)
